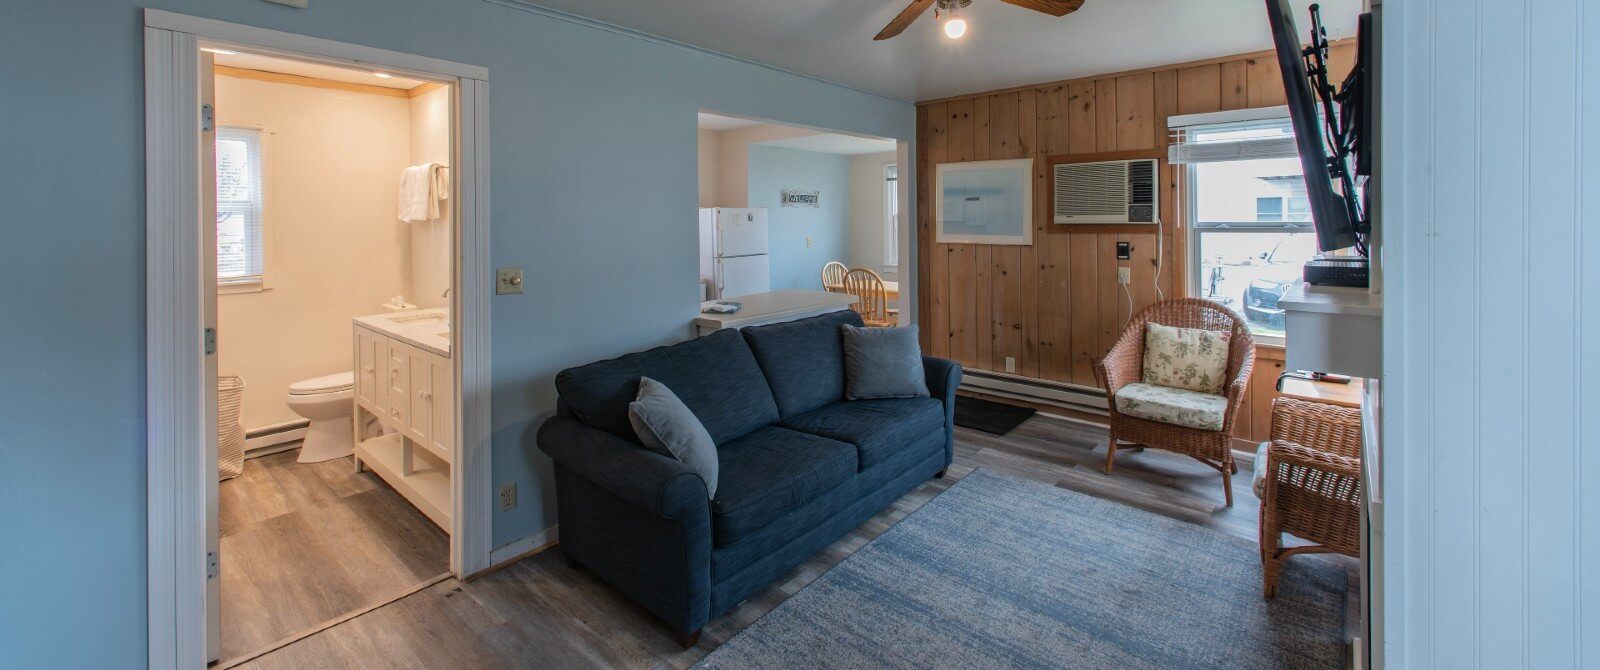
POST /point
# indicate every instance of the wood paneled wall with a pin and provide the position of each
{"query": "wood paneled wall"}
(1055, 307)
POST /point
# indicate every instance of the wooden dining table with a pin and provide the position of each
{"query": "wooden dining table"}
(892, 288)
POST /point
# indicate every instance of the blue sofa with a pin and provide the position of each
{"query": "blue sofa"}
(799, 466)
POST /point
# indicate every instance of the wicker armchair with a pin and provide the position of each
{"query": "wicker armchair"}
(1124, 365)
(1309, 483)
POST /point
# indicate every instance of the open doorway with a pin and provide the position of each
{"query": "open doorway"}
(335, 402)
(313, 332)
(795, 222)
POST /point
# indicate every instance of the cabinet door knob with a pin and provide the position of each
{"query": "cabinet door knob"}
(427, 395)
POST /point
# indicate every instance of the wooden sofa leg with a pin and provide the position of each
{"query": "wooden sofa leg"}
(687, 640)
(1227, 485)
(1111, 454)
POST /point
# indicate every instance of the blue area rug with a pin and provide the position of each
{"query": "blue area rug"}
(1003, 572)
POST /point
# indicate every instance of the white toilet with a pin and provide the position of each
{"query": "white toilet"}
(328, 401)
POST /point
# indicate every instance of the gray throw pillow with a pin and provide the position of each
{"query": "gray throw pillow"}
(883, 363)
(666, 426)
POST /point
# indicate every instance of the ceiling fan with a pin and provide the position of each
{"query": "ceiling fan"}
(950, 12)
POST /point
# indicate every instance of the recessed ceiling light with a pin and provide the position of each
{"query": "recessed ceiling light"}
(382, 75)
(219, 52)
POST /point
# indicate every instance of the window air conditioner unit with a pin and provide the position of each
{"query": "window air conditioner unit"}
(1106, 192)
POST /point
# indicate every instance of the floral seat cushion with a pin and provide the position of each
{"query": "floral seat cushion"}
(1258, 481)
(1186, 358)
(1178, 407)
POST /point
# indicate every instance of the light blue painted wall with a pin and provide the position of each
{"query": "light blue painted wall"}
(1492, 334)
(772, 170)
(594, 175)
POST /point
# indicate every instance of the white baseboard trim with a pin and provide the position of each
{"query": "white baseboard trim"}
(519, 549)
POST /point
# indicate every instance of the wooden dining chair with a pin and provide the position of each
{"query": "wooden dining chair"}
(873, 300)
(833, 276)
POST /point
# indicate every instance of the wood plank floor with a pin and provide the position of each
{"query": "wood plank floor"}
(306, 543)
(540, 613)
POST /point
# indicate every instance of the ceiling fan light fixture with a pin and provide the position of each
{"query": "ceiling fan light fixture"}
(955, 27)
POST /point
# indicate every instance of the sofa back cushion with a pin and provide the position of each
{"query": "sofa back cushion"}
(716, 376)
(803, 360)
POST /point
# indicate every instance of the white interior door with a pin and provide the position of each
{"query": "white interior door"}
(208, 268)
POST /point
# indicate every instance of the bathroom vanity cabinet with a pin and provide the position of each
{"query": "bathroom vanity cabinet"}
(405, 407)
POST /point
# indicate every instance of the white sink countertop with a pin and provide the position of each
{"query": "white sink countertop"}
(423, 328)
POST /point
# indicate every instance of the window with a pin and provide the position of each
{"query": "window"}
(240, 248)
(1251, 219)
(891, 215)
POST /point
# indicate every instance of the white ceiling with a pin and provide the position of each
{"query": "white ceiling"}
(833, 143)
(721, 123)
(1005, 45)
(316, 70)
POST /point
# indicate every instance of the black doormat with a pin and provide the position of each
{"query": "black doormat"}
(989, 417)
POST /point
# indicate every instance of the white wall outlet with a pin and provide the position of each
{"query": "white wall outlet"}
(1124, 275)
(808, 243)
(508, 497)
(1011, 364)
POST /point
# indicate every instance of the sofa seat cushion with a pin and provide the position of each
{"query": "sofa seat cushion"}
(715, 376)
(878, 428)
(1179, 407)
(771, 472)
(803, 360)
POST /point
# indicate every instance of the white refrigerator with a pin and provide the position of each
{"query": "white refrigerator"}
(733, 252)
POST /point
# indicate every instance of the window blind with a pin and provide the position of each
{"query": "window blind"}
(1232, 141)
(239, 206)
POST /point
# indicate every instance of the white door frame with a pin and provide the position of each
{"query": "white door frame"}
(176, 429)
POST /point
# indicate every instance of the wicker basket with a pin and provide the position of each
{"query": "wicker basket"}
(230, 427)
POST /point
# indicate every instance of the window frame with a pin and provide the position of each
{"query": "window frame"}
(891, 216)
(261, 281)
(1196, 231)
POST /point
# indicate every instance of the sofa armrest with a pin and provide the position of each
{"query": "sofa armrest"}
(650, 481)
(637, 519)
(943, 377)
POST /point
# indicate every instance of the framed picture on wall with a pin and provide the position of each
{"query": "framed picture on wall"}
(984, 202)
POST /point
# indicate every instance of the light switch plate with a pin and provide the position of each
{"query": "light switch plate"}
(507, 281)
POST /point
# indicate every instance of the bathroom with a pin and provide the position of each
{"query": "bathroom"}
(333, 301)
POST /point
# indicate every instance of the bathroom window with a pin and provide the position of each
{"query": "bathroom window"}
(241, 254)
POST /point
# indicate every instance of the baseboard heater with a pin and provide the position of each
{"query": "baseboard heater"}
(268, 440)
(1058, 394)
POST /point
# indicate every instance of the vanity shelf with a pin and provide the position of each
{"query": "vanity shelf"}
(428, 485)
(405, 382)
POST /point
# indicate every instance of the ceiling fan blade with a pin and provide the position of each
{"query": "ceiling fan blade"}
(904, 19)
(1051, 7)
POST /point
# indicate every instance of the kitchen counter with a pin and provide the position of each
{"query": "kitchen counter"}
(773, 307)
(427, 329)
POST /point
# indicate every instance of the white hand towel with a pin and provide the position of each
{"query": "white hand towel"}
(418, 201)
